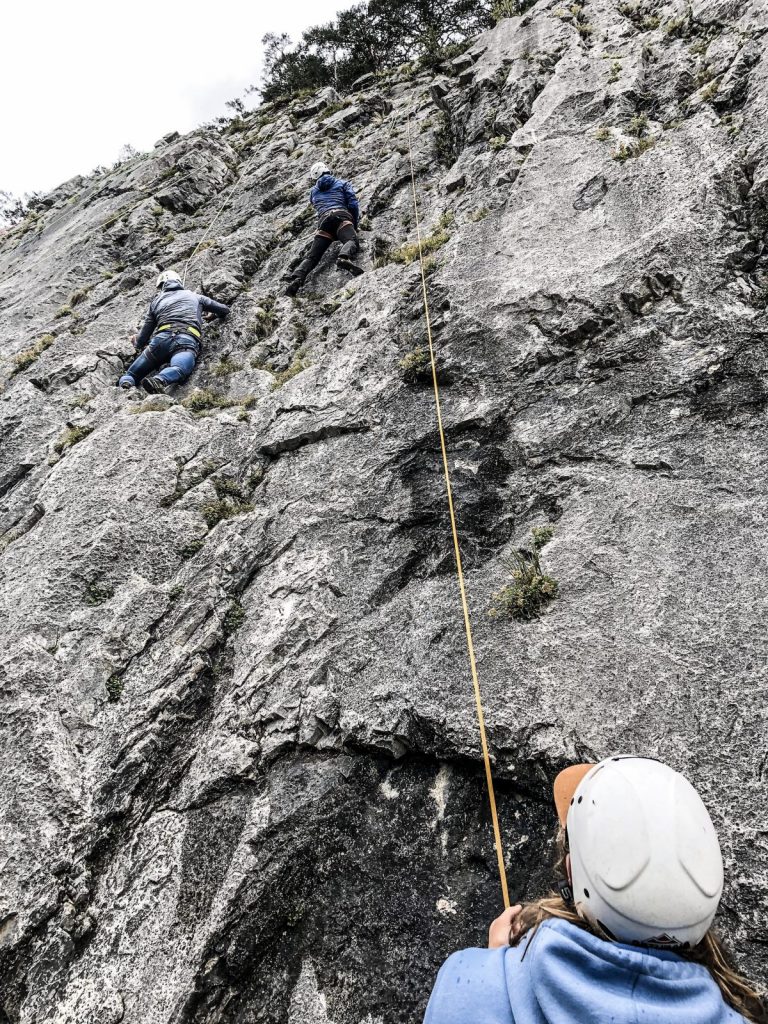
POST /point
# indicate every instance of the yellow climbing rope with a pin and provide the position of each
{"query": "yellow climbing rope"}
(456, 548)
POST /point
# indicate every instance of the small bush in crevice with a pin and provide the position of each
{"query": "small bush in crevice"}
(265, 321)
(191, 549)
(234, 617)
(226, 487)
(78, 296)
(531, 588)
(96, 594)
(282, 377)
(409, 252)
(114, 686)
(225, 367)
(416, 366)
(30, 355)
(205, 399)
(71, 437)
(215, 512)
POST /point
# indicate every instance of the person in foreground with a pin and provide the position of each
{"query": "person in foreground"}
(626, 939)
(172, 333)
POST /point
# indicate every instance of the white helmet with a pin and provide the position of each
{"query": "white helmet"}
(645, 859)
(167, 275)
(318, 170)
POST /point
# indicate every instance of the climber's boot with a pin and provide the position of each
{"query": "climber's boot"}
(346, 258)
(298, 277)
(154, 385)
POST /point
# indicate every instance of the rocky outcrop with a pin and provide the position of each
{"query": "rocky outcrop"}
(240, 773)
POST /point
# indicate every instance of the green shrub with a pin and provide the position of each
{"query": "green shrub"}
(409, 252)
(71, 437)
(191, 549)
(216, 511)
(225, 367)
(204, 399)
(226, 487)
(283, 376)
(603, 134)
(615, 73)
(25, 359)
(62, 312)
(498, 142)
(638, 126)
(265, 320)
(234, 617)
(300, 332)
(624, 152)
(480, 214)
(531, 588)
(96, 594)
(416, 366)
(78, 296)
(114, 686)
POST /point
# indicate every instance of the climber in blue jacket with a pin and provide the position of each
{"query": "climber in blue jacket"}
(338, 215)
(627, 938)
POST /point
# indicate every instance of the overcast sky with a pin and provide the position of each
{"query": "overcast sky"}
(81, 79)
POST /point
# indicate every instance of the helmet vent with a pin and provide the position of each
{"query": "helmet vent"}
(586, 893)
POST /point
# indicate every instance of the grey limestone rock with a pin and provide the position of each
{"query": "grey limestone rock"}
(240, 769)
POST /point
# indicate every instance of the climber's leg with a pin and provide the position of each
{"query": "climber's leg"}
(148, 360)
(319, 246)
(180, 370)
(349, 249)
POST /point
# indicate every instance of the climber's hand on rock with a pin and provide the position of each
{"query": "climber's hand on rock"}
(504, 927)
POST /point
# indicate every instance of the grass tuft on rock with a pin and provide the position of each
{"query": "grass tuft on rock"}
(215, 512)
(234, 617)
(71, 437)
(409, 252)
(191, 549)
(282, 377)
(415, 366)
(30, 355)
(114, 686)
(531, 589)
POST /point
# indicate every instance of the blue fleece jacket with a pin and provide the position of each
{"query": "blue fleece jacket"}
(561, 974)
(334, 194)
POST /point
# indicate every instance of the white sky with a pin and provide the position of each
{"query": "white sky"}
(80, 79)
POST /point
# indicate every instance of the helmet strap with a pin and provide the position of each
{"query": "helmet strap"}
(566, 892)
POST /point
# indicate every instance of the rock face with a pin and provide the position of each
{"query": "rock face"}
(240, 763)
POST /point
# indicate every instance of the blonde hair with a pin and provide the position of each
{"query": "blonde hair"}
(710, 952)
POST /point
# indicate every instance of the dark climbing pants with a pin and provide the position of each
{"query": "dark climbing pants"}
(176, 352)
(337, 226)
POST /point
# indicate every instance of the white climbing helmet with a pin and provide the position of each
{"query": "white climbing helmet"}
(645, 858)
(167, 275)
(318, 170)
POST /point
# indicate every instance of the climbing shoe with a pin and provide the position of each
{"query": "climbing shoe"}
(293, 287)
(350, 265)
(126, 385)
(154, 385)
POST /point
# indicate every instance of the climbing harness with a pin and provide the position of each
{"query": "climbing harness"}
(229, 195)
(456, 548)
(180, 329)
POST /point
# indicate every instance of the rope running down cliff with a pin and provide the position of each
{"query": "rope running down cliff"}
(238, 184)
(456, 548)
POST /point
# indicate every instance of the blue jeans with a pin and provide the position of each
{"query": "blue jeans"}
(176, 352)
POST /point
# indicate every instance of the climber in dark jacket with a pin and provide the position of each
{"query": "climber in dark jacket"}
(338, 214)
(171, 333)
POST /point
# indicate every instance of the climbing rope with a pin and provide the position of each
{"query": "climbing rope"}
(238, 182)
(456, 548)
